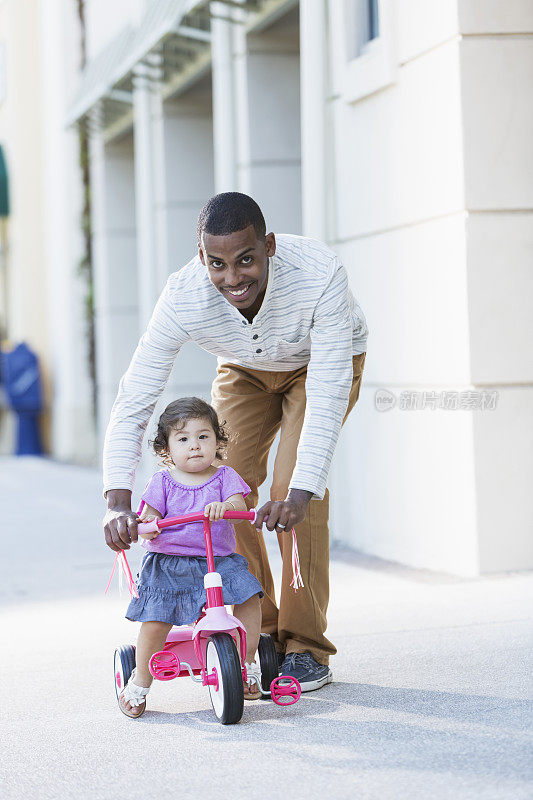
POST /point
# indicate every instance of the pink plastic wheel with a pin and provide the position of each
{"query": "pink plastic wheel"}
(164, 666)
(286, 693)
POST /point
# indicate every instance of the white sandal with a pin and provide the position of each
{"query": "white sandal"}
(135, 696)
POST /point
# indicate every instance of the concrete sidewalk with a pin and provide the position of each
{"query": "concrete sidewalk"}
(429, 698)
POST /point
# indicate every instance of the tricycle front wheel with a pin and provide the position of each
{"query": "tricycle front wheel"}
(227, 694)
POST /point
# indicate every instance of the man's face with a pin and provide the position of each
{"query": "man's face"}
(238, 265)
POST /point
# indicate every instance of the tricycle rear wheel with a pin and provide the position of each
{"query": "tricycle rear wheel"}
(123, 664)
(228, 698)
(268, 661)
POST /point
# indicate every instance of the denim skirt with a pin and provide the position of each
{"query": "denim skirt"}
(171, 588)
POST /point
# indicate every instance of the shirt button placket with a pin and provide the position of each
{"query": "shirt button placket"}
(255, 337)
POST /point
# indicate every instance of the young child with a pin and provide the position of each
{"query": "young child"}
(170, 582)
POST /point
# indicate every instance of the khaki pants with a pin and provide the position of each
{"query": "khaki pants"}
(254, 405)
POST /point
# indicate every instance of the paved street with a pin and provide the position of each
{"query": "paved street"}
(429, 698)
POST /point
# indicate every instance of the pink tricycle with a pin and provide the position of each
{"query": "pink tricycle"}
(212, 652)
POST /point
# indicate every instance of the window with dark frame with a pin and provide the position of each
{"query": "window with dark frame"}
(373, 19)
(361, 25)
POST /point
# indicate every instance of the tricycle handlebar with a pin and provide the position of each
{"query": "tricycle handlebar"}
(158, 524)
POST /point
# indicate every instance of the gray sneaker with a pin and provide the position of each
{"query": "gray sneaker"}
(308, 672)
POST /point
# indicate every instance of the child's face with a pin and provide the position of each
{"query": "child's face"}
(193, 447)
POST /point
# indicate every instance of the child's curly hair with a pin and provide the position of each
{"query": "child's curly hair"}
(176, 415)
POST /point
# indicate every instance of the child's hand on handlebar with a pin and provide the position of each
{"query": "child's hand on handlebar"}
(149, 535)
(216, 510)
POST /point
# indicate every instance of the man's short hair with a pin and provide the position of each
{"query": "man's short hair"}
(228, 212)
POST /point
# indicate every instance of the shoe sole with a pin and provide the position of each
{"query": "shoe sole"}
(310, 686)
(130, 714)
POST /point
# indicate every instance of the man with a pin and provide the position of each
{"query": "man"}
(290, 340)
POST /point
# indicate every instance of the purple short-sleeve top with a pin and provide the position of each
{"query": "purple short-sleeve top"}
(173, 499)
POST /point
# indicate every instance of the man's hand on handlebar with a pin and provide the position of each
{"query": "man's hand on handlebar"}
(120, 522)
(120, 528)
(284, 514)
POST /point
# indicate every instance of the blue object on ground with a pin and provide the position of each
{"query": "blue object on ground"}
(22, 386)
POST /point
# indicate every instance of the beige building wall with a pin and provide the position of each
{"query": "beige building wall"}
(46, 295)
(496, 62)
(432, 177)
(21, 136)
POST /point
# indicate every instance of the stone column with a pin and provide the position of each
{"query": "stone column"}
(313, 17)
(143, 134)
(72, 425)
(115, 267)
(267, 68)
(224, 102)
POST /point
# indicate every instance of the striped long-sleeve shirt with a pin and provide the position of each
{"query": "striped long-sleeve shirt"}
(308, 317)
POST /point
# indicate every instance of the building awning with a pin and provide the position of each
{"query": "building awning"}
(161, 24)
(4, 186)
(173, 39)
(100, 75)
(173, 46)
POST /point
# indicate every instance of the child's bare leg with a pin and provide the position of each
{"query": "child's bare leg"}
(249, 613)
(152, 637)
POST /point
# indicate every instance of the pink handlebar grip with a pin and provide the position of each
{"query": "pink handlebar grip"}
(158, 524)
(148, 527)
